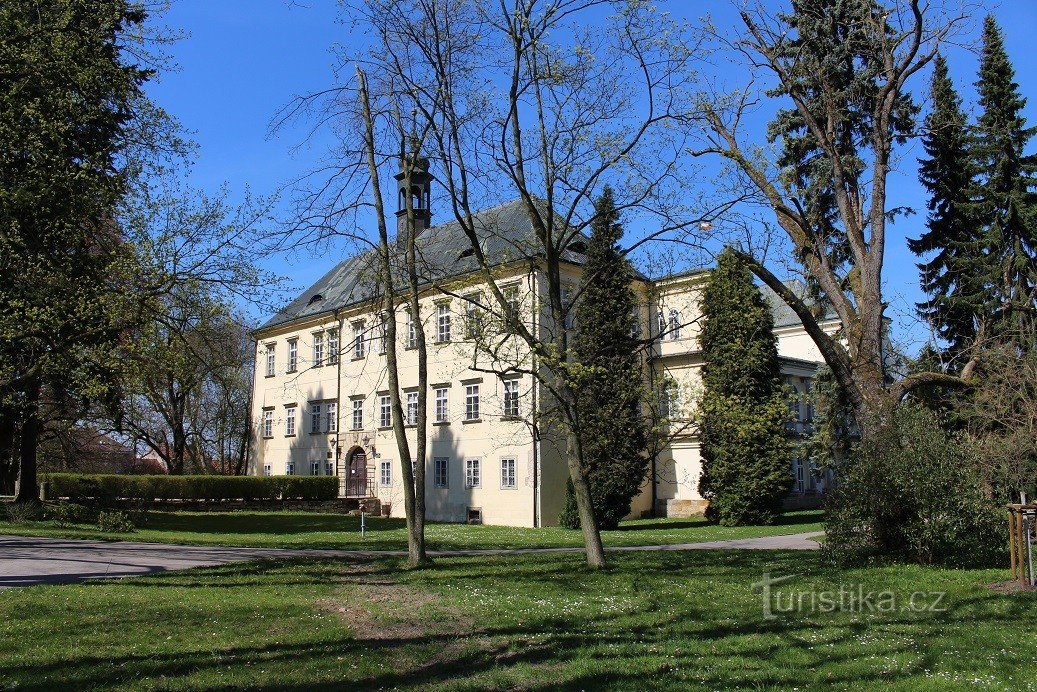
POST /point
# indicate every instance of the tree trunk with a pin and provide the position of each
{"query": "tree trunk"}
(8, 450)
(28, 483)
(584, 504)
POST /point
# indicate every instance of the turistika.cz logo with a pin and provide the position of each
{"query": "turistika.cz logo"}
(848, 598)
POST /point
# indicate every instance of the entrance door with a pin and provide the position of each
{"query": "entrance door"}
(356, 482)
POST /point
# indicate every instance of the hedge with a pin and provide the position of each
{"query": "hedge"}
(106, 487)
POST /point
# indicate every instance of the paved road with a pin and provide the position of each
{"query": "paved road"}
(25, 561)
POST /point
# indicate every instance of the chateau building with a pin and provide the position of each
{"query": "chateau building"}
(321, 401)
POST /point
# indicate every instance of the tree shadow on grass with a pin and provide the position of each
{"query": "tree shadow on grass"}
(660, 637)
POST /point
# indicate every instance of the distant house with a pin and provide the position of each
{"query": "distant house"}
(321, 403)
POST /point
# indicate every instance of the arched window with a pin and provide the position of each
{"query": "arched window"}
(675, 324)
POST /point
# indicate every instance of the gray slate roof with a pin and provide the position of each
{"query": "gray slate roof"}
(784, 316)
(505, 234)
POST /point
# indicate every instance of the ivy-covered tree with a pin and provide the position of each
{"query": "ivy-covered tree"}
(611, 393)
(950, 277)
(66, 274)
(746, 451)
(1006, 193)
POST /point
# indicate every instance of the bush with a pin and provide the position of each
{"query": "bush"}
(914, 493)
(114, 521)
(22, 512)
(68, 513)
(104, 490)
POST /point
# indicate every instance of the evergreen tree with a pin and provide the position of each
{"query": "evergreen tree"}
(608, 366)
(955, 288)
(1006, 193)
(746, 451)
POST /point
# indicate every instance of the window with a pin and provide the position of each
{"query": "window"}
(669, 400)
(412, 332)
(412, 408)
(675, 324)
(442, 405)
(799, 473)
(289, 468)
(333, 346)
(568, 310)
(267, 470)
(289, 421)
(443, 323)
(271, 360)
(472, 473)
(318, 349)
(293, 355)
(268, 423)
(315, 415)
(441, 472)
(358, 414)
(635, 324)
(314, 468)
(810, 400)
(473, 316)
(661, 316)
(332, 425)
(507, 473)
(329, 468)
(471, 402)
(511, 296)
(384, 411)
(385, 472)
(511, 397)
(359, 347)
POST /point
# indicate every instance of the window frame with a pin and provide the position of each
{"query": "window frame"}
(289, 468)
(357, 421)
(359, 342)
(472, 394)
(411, 409)
(441, 472)
(293, 355)
(316, 412)
(384, 411)
(385, 473)
(331, 415)
(315, 468)
(510, 398)
(473, 472)
(271, 360)
(318, 349)
(442, 404)
(268, 423)
(333, 346)
(443, 323)
(290, 423)
(508, 476)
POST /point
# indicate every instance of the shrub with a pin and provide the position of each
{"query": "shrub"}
(104, 490)
(114, 521)
(68, 513)
(914, 493)
(22, 512)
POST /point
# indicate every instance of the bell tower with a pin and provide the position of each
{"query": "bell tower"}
(420, 193)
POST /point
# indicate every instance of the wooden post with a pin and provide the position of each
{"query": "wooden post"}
(1011, 541)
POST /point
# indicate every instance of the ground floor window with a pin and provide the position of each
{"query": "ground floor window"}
(314, 468)
(799, 473)
(385, 472)
(329, 468)
(289, 468)
(267, 470)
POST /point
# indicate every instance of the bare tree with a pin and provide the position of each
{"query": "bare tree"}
(546, 103)
(842, 74)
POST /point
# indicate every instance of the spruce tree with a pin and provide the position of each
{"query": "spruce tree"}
(1006, 193)
(955, 289)
(608, 366)
(746, 451)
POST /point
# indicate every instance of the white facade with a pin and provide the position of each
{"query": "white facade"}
(321, 389)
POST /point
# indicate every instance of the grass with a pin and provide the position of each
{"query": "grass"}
(314, 530)
(665, 620)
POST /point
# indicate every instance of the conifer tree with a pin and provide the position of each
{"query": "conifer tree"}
(605, 350)
(956, 293)
(1006, 193)
(746, 451)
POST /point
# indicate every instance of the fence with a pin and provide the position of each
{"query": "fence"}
(1021, 522)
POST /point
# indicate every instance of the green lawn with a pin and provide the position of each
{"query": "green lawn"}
(313, 530)
(653, 620)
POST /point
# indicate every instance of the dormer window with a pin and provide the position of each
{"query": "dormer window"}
(579, 247)
(315, 298)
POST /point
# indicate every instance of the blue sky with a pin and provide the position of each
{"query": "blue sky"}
(241, 60)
